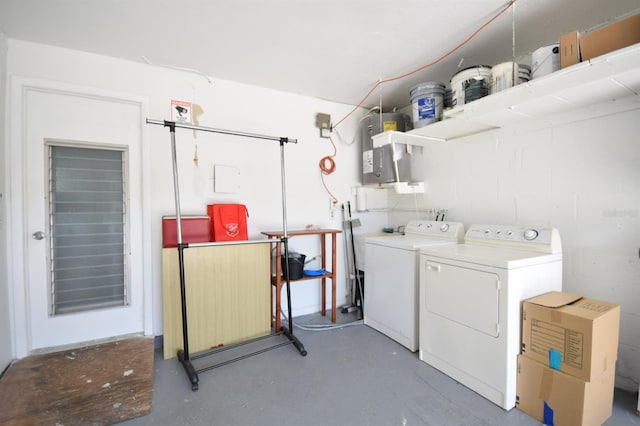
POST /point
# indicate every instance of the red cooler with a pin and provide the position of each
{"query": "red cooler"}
(195, 229)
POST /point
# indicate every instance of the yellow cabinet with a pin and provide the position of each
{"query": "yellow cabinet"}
(228, 295)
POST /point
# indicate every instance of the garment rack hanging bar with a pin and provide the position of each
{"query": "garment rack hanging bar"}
(221, 131)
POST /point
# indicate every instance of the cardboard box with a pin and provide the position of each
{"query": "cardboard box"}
(571, 333)
(195, 229)
(615, 36)
(556, 398)
(569, 49)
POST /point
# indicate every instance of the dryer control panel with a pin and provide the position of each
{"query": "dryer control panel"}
(546, 240)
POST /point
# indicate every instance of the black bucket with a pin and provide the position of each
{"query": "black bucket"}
(296, 266)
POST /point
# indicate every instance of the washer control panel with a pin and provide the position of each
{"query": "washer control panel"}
(532, 238)
(433, 228)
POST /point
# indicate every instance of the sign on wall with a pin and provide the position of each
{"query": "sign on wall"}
(181, 112)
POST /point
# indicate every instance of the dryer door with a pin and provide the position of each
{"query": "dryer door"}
(468, 296)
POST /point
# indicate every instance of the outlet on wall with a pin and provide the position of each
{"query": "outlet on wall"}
(332, 208)
(323, 122)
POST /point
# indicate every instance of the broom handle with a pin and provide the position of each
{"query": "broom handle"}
(355, 265)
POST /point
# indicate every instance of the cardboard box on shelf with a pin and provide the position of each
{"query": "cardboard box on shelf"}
(569, 49)
(556, 398)
(571, 333)
(615, 36)
(576, 47)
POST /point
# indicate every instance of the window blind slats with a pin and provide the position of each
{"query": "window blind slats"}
(87, 228)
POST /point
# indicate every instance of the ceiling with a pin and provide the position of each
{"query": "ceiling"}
(337, 50)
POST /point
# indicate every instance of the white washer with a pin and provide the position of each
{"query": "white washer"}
(392, 277)
(470, 297)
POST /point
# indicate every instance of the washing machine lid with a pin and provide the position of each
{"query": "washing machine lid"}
(359, 247)
(483, 255)
(408, 242)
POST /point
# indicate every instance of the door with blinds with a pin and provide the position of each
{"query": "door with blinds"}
(83, 200)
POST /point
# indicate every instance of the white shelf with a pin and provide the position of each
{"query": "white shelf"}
(600, 86)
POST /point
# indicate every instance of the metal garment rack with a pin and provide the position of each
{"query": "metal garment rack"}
(184, 356)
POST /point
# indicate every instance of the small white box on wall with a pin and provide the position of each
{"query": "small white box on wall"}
(226, 179)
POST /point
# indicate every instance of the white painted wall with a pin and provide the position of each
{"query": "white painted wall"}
(583, 179)
(226, 105)
(6, 341)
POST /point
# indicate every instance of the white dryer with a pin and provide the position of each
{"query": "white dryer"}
(470, 303)
(392, 277)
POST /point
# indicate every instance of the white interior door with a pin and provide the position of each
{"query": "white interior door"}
(79, 120)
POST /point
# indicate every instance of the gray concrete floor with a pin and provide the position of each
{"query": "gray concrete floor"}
(351, 376)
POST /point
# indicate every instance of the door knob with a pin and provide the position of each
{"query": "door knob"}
(39, 235)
